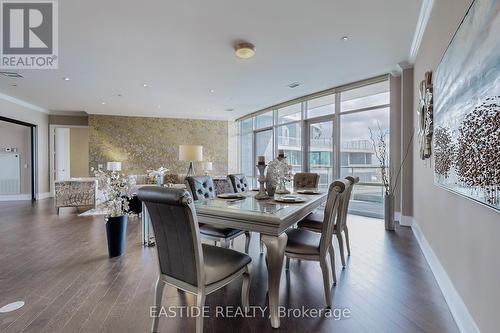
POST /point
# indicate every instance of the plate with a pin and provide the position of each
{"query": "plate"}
(229, 196)
(290, 199)
(308, 192)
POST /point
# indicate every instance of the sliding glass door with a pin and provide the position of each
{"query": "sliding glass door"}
(320, 149)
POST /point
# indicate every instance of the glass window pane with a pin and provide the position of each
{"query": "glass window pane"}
(246, 126)
(264, 120)
(321, 151)
(264, 146)
(364, 97)
(321, 106)
(290, 113)
(289, 139)
(358, 158)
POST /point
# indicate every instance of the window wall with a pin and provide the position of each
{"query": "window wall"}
(326, 133)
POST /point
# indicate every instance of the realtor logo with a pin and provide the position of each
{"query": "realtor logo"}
(29, 36)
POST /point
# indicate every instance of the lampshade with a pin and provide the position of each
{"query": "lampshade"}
(208, 166)
(114, 166)
(191, 153)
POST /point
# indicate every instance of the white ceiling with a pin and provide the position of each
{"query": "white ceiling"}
(183, 49)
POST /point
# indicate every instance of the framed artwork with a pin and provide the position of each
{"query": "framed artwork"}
(466, 141)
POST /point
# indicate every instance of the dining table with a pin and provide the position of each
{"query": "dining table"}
(269, 217)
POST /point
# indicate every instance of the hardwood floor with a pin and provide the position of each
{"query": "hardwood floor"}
(59, 266)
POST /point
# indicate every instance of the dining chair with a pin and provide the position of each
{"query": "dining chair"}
(310, 245)
(201, 188)
(184, 262)
(305, 180)
(314, 221)
(238, 182)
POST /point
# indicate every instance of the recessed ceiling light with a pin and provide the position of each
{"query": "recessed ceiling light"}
(11, 307)
(345, 38)
(158, 107)
(212, 91)
(293, 85)
(120, 95)
(145, 85)
(244, 50)
(103, 103)
(66, 78)
(14, 85)
(230, 110)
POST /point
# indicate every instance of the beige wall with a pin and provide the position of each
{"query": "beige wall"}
(18, 136)
(14, 111)
(79, 152)
(463, 234)
(142, 143)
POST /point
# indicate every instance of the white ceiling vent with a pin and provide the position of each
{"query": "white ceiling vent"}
(11, 74)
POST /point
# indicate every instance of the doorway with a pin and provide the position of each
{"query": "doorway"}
(69, 151)
(18, 153)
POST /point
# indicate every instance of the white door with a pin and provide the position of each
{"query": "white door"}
(61, 152)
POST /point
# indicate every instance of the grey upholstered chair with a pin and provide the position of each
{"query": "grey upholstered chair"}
(202, 188)
(314, 221)
(309, 245)
(238, 182)
(305, 180)
(183, 261)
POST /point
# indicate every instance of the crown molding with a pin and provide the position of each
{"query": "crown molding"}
(423, 19)
(23, 103)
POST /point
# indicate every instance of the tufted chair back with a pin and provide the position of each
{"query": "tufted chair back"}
(201, 187)
(238, 182)
(305, 180)
(175, 225)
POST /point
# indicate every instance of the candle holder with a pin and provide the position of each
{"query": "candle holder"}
(262, 195)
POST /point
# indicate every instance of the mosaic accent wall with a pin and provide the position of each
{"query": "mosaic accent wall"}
(142, 143)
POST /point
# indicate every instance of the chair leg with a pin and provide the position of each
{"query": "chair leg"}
(326, 281)
(232, 243)
(346, 231)
(287, 265)
(224, 243)
(247, 241)
(200, 303)
(332, 263)
(261, 244)
(215, 243)
(341, 248)
(158, 296)
(58, 210)
(245, 289)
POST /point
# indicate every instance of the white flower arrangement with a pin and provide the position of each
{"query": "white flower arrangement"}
(158, 173)
(113, 186)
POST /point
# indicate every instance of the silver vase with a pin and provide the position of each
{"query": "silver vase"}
(389, 212)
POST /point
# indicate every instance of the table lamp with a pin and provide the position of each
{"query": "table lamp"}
(208, 167)
(191, 153)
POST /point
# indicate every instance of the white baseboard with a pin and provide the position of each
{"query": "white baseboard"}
(45, 195)
(406, 221)
(463, 318)
(14, 197)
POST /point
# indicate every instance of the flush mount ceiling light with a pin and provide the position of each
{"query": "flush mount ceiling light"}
(244, 50)
(293, 85)
(66, 78)
(145, 85)
(229, 110)
(345, 38)
(11, 307)
(103, 103)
